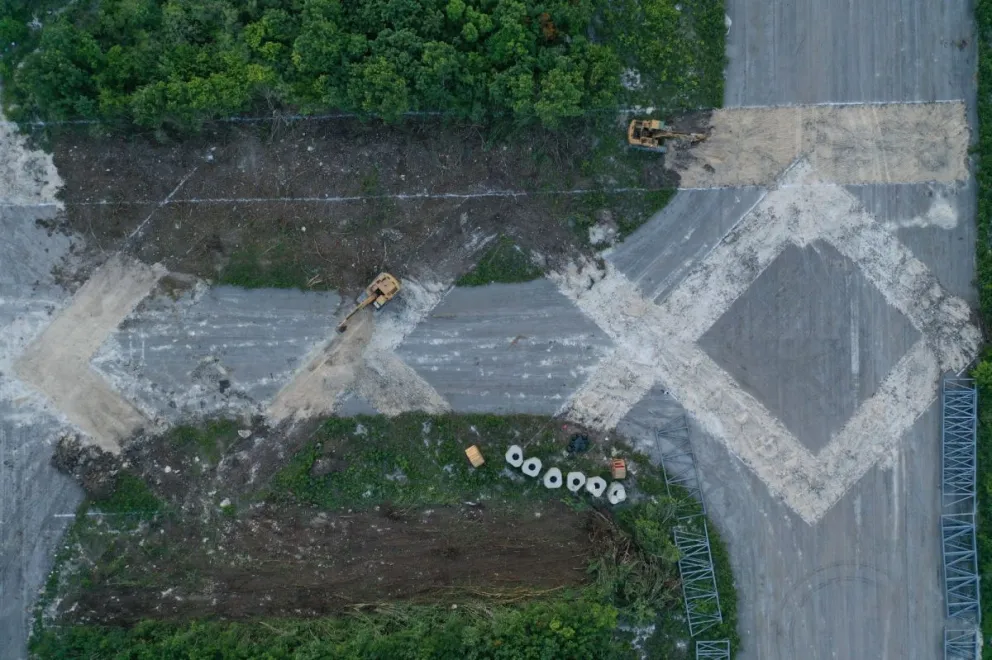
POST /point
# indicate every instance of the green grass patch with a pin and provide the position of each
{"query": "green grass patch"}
(504, 262)
(419, 460)
(130, 497)
(274, 268)
(208, 441)
(560, 628)
(129, 505)
(678, 48)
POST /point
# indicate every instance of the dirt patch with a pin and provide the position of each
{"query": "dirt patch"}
(307, 563)
(223, 551)
(57, 363)
(342, 200)
(847, 144)
(315, 388)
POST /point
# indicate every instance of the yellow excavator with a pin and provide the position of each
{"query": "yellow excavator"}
(383, 288)
(650, 134)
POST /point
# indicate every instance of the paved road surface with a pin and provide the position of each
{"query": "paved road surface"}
(864, 581)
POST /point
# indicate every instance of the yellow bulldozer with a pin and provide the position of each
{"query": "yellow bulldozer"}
(383, 288)
(650, 134)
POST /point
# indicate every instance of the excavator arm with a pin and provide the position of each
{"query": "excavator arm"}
(368, 300)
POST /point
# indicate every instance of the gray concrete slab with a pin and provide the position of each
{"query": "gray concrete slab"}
(946, 245)
(811, 339)
(862, 583)
(830, 51)
(29, 252)
(212, 350)
(352, 404)
(659, 254)
(33, 494)
(501, 348)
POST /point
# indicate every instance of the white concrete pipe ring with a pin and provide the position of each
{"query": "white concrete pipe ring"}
(617, 493)
(596, 486)
(515, 456)
(532, 467)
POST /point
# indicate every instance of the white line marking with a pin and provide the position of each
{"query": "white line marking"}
(165, 201)
(355, 198)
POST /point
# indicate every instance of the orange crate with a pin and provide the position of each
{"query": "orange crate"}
(619, 469)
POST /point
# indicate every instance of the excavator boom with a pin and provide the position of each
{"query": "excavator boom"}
(650, 134)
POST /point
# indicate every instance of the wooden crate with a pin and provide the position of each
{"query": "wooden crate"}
(474, 456)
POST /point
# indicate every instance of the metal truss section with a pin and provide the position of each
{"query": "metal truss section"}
(958, 644)
(961, 592)
(702, 602)
(679, 461)
(959, 401)
(720, 650)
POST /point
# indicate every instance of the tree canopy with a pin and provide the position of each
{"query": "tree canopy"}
(178, 62)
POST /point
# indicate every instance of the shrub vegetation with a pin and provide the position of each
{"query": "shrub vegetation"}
(179, 62)
(983, 372)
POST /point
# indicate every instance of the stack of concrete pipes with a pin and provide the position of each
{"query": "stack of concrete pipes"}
(574, 481)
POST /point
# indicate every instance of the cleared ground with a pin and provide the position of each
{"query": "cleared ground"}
(844, 144)
(317, 564)
(330, 203)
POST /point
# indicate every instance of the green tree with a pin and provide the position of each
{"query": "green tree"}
(59, 76)
(377, 88)
(560, 95)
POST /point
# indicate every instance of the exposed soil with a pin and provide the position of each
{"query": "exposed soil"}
(305, 563)
(224, 550)
(852, 144)
(262, 190)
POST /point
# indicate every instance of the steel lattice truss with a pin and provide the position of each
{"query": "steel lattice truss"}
(958, 644)
(957, 531)
(680, 463)
(720, 650)
(958, 435)
(702, 602)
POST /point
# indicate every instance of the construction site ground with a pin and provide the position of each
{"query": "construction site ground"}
(232, 520)
(800, 318)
